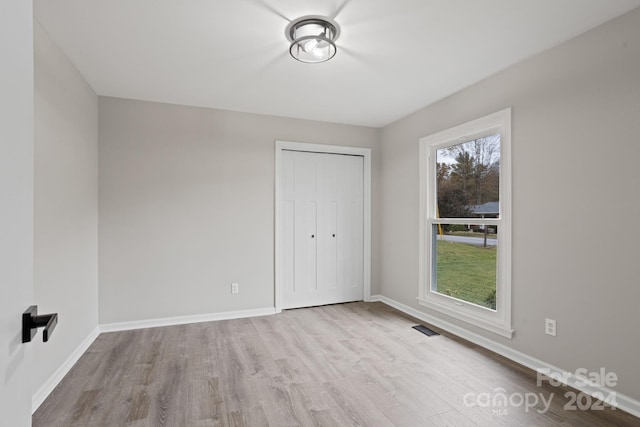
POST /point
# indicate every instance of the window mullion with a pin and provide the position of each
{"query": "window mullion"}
(465, 221)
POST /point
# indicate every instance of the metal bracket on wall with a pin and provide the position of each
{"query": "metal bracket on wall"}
(31, 322)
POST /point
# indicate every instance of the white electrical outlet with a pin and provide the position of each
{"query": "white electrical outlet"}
(550, 327)
(235, 288)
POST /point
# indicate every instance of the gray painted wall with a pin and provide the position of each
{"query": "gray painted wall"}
(65, 204)
(187, 206)
(16, 208)
(576, 149)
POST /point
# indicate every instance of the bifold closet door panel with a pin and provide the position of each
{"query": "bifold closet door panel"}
(343, 218)
(322, 228)
(300, 204)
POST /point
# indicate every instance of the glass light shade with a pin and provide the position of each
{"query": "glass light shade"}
(312, 40)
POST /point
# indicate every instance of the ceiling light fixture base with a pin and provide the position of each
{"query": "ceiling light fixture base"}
(312, 38)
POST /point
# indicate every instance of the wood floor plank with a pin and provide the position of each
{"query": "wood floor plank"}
(451, 419)
(139, 407)
(358, 409)
(356, 364)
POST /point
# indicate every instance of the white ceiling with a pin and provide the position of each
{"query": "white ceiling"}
(394, 56)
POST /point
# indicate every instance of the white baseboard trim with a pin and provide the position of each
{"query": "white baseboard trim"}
(182, 320)
(43, 392)
(623, 402)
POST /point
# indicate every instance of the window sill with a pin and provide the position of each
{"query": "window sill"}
(495, 327)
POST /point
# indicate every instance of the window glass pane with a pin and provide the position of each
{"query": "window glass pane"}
(464, 265)
(467, 179)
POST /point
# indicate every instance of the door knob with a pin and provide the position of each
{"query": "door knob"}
(334, 235)
(313, 235)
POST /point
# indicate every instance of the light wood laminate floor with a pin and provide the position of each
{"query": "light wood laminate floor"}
(357, 364)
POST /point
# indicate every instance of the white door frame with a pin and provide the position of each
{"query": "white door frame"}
(329, 149)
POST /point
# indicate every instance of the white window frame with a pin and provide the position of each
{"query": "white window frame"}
(498, 321)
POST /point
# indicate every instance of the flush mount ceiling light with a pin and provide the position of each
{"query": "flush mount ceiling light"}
(312, 38)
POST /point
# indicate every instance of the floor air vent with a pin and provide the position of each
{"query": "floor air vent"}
(428, 332)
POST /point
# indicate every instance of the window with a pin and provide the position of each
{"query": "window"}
(465, 222)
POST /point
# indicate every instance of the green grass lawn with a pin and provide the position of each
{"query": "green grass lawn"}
(466, 272)
(471, 234)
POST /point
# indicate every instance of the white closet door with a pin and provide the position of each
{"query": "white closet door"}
(322, 206)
